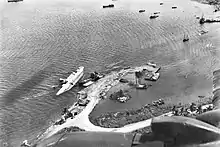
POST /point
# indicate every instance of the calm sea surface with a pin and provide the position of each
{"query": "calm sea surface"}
(41, 41)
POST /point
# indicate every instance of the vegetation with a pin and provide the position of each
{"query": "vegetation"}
(120, 119)
(118, 94)
(70, 129)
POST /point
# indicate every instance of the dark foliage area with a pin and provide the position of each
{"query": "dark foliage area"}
(70, 129)
(120, 119)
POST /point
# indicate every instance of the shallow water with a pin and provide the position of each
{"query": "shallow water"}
(45, 40)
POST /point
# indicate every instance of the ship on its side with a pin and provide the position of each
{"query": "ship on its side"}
(73, 78)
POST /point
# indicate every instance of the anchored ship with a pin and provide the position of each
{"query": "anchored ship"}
(73, 78)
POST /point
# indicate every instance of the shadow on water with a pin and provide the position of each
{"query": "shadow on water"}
(24, 88)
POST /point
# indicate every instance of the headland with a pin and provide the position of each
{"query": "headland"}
(95, 93)
(126, 121)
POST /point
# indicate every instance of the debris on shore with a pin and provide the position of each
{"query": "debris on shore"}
(120, 96)
(158, 102)
(149, 75)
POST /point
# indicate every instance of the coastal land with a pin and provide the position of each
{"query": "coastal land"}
(95, 93)
(135, 120)
(215, 3)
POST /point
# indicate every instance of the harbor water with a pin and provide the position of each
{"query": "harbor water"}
(42, 41)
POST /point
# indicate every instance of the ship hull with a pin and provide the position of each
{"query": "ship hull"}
(71, 81)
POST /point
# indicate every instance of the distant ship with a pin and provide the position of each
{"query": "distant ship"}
(109, 6)
(153, 16)
(14, 1)
(186, 38)
(141, 11)
(73, 78)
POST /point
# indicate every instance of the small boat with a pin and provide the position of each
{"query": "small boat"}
(203, 32)
(153, 16)
(154, 65)
(127, 67)
(108, 6)
(73, 78)
(155, 76)
(202, 19)
(141, 11)
(123, 81)
(161, 3)
(156, 12)
(174, 7)
(141, 86)
(186, 38)
(152, 76)
(88, 83)
(94, 76)
(148, 76)
(62, 81)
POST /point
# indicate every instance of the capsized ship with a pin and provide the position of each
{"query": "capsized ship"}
(73, 78)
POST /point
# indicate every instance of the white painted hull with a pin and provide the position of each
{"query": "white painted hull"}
(71, 80)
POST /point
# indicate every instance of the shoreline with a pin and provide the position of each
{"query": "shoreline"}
(214, 3)
(114, 119)
(94, 92)
(138, 122)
